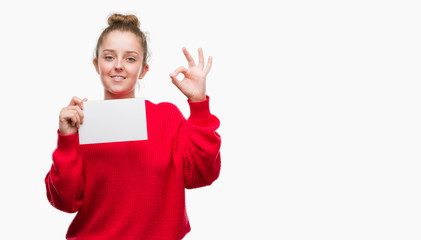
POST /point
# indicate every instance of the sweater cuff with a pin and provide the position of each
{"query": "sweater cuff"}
(67, 143)
(199, 110)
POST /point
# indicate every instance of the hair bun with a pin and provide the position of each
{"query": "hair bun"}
(123, 19)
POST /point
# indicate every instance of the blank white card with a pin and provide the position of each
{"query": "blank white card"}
(113, 121)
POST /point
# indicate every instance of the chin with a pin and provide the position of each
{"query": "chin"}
(120, 93)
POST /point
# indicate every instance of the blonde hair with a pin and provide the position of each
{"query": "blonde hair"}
(125, 23)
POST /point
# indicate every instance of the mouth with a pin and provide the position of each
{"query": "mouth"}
(117, 78)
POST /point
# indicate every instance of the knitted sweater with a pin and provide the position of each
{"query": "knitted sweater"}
(136, 189)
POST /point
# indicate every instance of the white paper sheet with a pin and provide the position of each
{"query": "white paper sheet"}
(113, 121)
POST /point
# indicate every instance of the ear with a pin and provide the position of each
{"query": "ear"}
(144, 71)
(95, 62)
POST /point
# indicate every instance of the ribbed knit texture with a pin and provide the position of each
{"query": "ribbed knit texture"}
(135, 189)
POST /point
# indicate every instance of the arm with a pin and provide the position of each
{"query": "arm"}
(202, 160)
(198, 137)
(64, 181)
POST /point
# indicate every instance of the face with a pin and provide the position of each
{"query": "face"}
(120, 64)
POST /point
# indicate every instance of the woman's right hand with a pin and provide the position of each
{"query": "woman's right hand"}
(71, 116)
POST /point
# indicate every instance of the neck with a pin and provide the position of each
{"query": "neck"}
(111, 96)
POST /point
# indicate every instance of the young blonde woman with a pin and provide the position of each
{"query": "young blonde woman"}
(135, 189)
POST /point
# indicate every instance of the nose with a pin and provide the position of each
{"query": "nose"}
(118, 65)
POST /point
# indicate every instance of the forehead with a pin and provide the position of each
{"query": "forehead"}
(122, 41)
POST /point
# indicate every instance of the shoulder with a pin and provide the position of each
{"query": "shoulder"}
(164, 109)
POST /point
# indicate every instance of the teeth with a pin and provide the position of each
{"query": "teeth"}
(118, 77)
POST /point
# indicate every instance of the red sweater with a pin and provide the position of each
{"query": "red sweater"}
(135, 189)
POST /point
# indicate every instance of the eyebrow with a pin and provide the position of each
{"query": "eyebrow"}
(111, 50)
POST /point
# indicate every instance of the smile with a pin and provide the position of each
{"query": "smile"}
(118, 78)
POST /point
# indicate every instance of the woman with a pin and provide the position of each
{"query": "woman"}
(135, 189)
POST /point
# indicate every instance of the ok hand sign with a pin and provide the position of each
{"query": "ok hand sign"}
(194, 83)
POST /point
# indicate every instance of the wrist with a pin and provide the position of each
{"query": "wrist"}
(198, 98)
(65, 131)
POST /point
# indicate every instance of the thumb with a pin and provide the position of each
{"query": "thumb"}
(174, 75)
(175, 81)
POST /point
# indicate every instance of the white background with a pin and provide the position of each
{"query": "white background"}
(319, 103)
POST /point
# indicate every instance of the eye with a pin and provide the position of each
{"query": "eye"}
(130, 59)
(108, 58)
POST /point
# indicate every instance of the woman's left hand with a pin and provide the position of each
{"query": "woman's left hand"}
(194, 83)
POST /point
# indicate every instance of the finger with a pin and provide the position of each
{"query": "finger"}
(201, 60)
(174, 75)
(76, 101)
(80, 113)
(74, 114)
(208, 65)
(77, 119)
(175, 81)
(81, 105)
(79, 102)
(179, 70)
(66, 114)
(189, 57)
(73, 119)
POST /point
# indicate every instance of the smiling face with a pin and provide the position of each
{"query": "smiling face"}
(119, 64)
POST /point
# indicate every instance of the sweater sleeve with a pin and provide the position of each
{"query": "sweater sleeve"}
(64, 181)
(201, 145)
